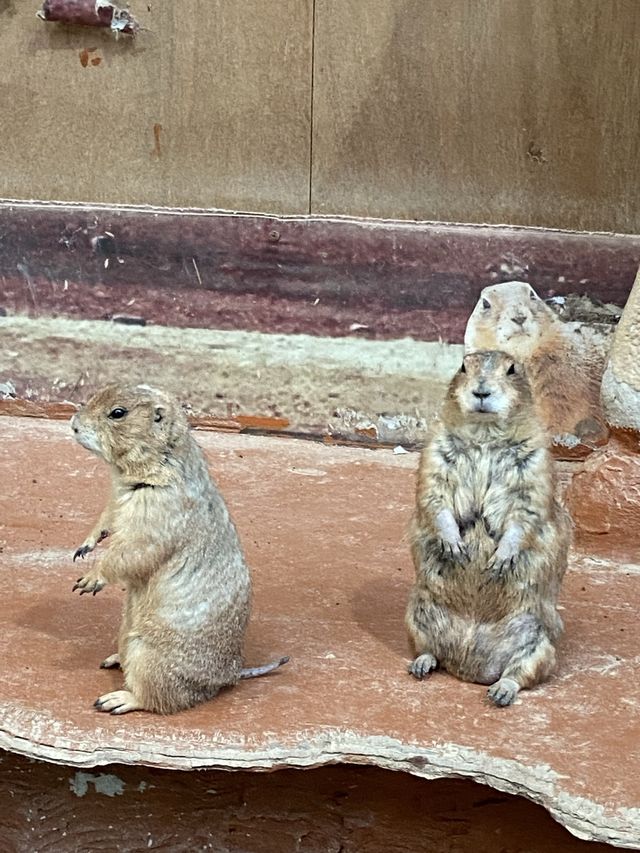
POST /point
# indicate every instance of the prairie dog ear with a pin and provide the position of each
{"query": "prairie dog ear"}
(158, 413)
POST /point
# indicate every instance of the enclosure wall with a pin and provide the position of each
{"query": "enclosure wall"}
(516, 111)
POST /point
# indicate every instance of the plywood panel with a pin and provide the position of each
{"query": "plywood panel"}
(225, 87)
(517, 111)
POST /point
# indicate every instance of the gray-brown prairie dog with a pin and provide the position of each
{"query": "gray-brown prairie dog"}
(489, 539)
(173, 545)
(564, 361)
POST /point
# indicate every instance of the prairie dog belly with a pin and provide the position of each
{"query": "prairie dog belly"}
(479, 651)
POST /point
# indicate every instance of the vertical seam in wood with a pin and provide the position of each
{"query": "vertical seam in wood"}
(313, 66)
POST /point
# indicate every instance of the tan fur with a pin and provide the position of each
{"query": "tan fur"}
(564, 361)
(172, 544)
(489, 539)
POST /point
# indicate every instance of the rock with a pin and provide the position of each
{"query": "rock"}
(605, 496)
(585, 309)
(386, 429)
(620, 391)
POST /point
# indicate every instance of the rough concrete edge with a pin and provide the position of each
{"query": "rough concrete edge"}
(20, 407)
(620, 400)
(582, 817)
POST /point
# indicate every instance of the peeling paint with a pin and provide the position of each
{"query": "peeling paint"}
(90, 13)
(103, 783)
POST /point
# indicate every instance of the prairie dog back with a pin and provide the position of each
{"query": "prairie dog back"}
(489, 539)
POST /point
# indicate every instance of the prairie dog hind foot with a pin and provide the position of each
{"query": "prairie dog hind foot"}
(423, 666)
(503, 692)
(118, 702)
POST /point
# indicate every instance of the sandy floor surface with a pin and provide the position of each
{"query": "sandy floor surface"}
(314, 382)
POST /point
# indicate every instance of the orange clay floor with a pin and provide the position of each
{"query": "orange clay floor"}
(324, 531)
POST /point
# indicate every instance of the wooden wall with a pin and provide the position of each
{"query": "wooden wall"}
(223, 84)
(500, 111)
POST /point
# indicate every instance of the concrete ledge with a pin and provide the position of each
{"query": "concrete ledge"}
(323, 529)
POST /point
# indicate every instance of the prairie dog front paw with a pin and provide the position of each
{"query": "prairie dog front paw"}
(89, 544)
(451, 542)
(507, 553)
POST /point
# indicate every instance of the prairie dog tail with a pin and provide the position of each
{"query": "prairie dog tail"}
(255, 671)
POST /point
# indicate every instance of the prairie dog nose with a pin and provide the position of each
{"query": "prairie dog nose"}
(519, 319)
(482, 395)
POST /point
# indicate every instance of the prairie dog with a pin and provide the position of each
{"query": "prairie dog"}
(174, 547)
(489, 540)
(564, 361)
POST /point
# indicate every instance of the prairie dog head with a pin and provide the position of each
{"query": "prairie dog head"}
(133, 428)
(510, 317)
(490, 386)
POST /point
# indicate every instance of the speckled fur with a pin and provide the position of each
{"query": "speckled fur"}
(489, 539)
(174, 547)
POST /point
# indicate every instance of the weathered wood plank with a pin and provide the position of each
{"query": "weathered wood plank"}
(501, 111)
(207, 107)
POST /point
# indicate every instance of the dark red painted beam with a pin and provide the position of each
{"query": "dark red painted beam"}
(307, 275)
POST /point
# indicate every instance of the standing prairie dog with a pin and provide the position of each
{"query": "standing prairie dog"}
(564, 360)
(489, 539)
(174, 547)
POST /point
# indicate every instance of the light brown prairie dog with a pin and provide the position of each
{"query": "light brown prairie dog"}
(489, 539)
(564, 361)
(173, 545)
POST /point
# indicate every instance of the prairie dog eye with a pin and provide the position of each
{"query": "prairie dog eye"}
(118, 413)
(511, 370)
(486, 304)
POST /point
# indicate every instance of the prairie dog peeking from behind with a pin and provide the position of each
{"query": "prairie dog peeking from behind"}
(564, 361)
(173, 545)
(489, 539)
(512, 318)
